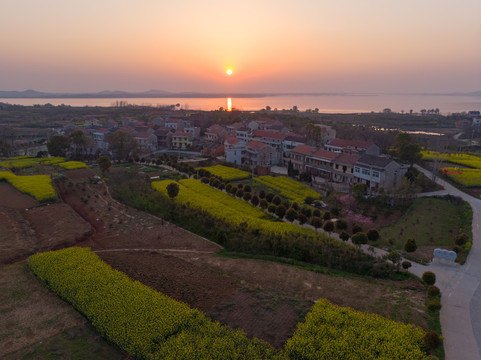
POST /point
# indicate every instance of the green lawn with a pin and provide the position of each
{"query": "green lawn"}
(430, 221)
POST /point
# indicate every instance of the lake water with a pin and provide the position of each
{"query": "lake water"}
(325, 103)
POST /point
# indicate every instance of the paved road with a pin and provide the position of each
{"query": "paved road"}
(461, 290)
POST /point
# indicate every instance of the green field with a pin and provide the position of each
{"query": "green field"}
(430, 221)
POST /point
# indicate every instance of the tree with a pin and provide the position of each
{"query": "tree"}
(79, 141)
(172, 190)
(264, 204)
(394, 257)
(58, 145)
(302, 218)
(255, 200)
(359, 191)
(280, 211)
(432, 340)
(122, 144)
(291, 215)
(429, 277)
(276, 200)
(372, 235)
(356, 228)
(6, 149)
(404, 149)
(314, 132)
(410, 245)
(344, 236)
(316, 222)
(104, 164)
(359, 238)
(328, 226)
(272, 208)
(406, 264)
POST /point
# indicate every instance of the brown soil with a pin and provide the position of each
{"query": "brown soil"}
(13, 199)
(29, 313)
(57, 226)
(201, 288)
(16, 237)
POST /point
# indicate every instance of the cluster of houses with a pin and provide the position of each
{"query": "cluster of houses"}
(263, 143)
(259, 145)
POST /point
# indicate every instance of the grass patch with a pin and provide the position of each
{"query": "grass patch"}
(430, 221)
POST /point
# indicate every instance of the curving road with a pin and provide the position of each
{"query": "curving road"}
(461, 289)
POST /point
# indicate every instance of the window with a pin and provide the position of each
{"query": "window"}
(357, 170)
(375, 174)
(365, 171)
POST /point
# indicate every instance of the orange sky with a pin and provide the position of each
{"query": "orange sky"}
(283, 45)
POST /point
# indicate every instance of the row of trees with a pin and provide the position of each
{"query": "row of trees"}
(318, 250)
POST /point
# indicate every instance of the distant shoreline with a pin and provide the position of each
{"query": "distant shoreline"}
(158, 94)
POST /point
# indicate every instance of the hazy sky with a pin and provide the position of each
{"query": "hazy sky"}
(271, 45)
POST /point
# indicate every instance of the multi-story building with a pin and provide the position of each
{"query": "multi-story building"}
(359, 146)
(379, 171)
(181, 140)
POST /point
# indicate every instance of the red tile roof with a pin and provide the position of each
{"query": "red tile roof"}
(232, 140)
(257, 145)
(325, 154)
(304, 149)
(347, 159)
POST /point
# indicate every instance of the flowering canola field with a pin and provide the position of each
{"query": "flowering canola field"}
(333, 332)
(291, 189)
(71, 165)
(225, 206)
(470, 177)
(140, 320)
(151, 325)
(227, 173)
(24, 162)
(38, 186)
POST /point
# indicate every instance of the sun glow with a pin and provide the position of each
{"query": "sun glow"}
(229, 71)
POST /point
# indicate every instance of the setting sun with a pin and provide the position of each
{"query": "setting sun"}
(229, 72)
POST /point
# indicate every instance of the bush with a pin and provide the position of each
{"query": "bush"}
(432, 340)
(410, 245)
(302, 218)
(328, 226)
(247, 188)
(326, 216)
(281, 211)
(272, 208)
(262, 194)
(359, 238)
(228, 187)
(264, 204)
(344, 236)
(356, 228)
(291, 215)
(269, 197)
(276, 200)
(341, 224)
(433, 305)
(295, 206)
(406, 264)
(429, 277)
(247, 196)
(316, 222)
(372, 234)
(306, 211)
(255, 200)
(461, 239)
(433, 291)
(239, 193)
(316, 212)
